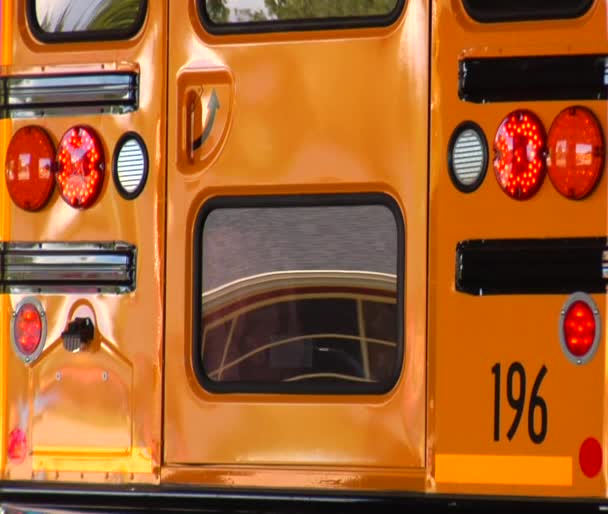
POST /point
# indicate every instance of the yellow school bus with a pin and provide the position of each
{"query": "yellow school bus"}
(303, 254)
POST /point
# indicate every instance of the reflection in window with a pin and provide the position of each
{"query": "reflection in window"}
(251, 11)
(300, 295)
(65, 16)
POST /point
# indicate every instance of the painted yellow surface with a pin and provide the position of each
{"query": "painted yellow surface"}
(6, 42)
(83, 411)
(469, 335)
(311, 112)
(501, 469)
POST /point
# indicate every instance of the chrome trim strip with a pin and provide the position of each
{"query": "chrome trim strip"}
(26, 96)
(108, 267)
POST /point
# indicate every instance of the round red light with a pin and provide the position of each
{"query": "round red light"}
(80, 166)
(28, 171)
(590, 457)
(579, 328)
(576, 152)
(519, 162)
(17, 446)
(27, 329)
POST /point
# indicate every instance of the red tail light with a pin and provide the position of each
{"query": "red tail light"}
(580, 328)
(29, 174)
(519, 162)
(28, 329)
(590, 457)
(80, 166)
(17, 446)
(576, 152)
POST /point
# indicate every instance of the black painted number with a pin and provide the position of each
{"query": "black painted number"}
(516, 398)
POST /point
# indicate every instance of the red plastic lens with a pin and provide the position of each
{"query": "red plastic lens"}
(519, 147)
(29, 175)
(590, 457)
(579, 328)
(17, 446)
(80, 166)
(28, 329)
(576, 152)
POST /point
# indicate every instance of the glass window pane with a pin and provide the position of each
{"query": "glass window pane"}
(79, 19)
(222, 12)
(300, 297)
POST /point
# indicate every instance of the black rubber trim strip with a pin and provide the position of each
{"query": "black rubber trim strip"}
(512, 79)
(530, 266)
(487, 11)
(350, 22)
(276, 201)
(165, 499)
(98, 36)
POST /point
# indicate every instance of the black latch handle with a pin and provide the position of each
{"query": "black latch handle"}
(78, 335)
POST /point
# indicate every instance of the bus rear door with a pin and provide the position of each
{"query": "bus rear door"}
(296, 255)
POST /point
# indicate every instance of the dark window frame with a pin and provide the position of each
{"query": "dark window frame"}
(275, 201)
(510, 14)
(302, 25)
(84, 36)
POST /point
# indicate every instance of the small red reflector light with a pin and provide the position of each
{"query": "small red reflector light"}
(590, 457)
(27, 329)
(519, 161)
(576, 152)
(29, 174)
(579, 328)
(17, 446)
(80, 166)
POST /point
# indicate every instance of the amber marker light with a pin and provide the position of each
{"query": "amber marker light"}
(576, 152)
(519, 159)
(80, 166)
(28, 170)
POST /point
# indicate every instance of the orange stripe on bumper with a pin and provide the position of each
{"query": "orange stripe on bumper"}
(500, 469)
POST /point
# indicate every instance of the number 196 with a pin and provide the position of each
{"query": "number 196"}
(516, 397)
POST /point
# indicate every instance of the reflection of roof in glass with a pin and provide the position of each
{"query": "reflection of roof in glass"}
(332, 280)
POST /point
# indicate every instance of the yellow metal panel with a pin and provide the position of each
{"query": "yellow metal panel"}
(123, 411)
(6, 54)
(469, 335)
(336, 111)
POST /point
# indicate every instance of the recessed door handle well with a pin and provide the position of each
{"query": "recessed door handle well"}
(205, 97)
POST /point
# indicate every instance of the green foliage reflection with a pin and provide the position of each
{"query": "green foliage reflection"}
(230, 11)
(75, 16)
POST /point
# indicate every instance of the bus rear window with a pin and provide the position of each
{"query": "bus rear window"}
(75, 20)
(519, 10)
(299, 299)
(273, 15)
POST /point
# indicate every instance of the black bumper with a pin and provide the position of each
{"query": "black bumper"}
(44, 498)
